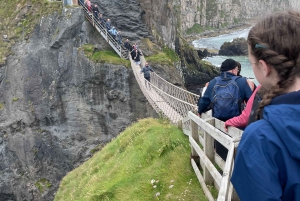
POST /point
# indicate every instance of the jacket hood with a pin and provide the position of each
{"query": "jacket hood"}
(283, 114)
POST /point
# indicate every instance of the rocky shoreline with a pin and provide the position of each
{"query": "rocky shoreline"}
(214, 33)
(217, 32)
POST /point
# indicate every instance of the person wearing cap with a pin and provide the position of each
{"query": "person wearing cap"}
(229, 68)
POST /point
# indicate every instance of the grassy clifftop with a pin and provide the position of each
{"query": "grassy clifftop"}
(18, 18)
(149, 150)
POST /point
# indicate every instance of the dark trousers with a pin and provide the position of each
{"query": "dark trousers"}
(221, 150)
(147, 78)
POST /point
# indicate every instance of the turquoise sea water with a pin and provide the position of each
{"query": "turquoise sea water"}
(216, 43)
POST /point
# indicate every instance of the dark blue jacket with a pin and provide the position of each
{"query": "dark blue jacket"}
(267, 165)
(204, 102)
(146, 70)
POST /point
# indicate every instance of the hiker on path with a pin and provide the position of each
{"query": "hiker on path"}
(267, 163)
(127, 45)
(96, 11)
(101, 19)
(113, 32)
(146, 70)
(88, 5)
(119, 37)
(137, 57)
(226, 92)
(108, 24)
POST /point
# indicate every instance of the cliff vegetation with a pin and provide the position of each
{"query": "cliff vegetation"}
(150, 160)
(18, 19)
(104, 56)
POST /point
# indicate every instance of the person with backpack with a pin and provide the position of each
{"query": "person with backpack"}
(225, 95)
(267, 164)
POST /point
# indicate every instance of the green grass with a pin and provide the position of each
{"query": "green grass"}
(171, 54)
(166, 57)
(151, 149)
(196, 29)
(18, 20)
(104, 56)
(159, 58)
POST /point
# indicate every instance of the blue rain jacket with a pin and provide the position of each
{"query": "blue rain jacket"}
(267, 165)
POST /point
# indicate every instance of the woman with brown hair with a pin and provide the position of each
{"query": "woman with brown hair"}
(267, 165)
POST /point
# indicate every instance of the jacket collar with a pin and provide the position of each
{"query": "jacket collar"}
(226, 74)
(289, 98)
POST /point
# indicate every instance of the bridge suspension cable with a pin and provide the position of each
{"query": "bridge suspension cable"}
(167, 99)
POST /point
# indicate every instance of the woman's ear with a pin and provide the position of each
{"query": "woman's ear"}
(265, 68)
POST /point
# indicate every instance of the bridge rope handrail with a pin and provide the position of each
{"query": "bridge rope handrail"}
(122, 52)
(163, 102)
(183, 90)
(167, 99)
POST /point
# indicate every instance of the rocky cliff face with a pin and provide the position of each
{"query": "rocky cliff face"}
(57, 107)
(168, 18)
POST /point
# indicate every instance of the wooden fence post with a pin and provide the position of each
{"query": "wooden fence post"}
(179, 124)
(195, 136)
(209, 152)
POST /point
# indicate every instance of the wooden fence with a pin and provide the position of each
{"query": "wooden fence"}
(202, 132)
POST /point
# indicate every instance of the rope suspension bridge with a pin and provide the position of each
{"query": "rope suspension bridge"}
(178, 105)
(167, 99)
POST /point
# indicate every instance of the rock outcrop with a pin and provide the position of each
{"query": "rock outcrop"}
(195, 71)
(238, 47)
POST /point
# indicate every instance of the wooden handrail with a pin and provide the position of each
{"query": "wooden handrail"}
(210, 128)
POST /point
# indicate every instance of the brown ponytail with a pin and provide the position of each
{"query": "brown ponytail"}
(275, 40)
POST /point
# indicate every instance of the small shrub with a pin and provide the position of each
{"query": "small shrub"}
(42, 184)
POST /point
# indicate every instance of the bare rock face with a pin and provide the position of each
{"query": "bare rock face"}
(238, 47)
(57, 107)
(126, 16)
